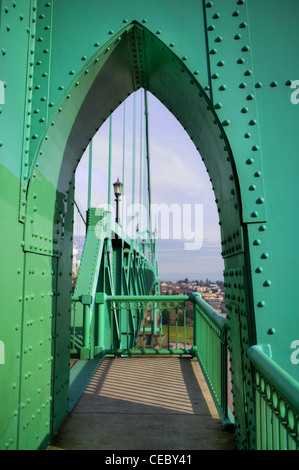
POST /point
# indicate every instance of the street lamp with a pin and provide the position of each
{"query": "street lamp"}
(118, 186)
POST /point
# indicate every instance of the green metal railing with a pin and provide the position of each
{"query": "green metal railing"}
(276, 404)
(160, 325)
(136, 325)
(150, 324)
(211, 350)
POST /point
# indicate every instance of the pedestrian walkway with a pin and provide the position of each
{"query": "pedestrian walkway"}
(145, 403)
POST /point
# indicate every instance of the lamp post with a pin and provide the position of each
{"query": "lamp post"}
(117, 191)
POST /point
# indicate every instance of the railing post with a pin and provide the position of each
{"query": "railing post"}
(195, 320)
(224, 373)
(86, 300)
(101, 302)
(73, 320)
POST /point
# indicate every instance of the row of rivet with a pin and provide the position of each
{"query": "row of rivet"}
(264, 256)
(234, 288)
(232, 244)
(49, 241)
(61, 87)
(28, 100)
(249, 97)
(42, 49)
(4, 51)
(34, 247)
(137, 58)
(237, 315)
(72, 72)
(238, 247)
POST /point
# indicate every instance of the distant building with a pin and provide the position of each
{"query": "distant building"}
(212, 292)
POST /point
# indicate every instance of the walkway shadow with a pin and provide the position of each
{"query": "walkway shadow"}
(81, 373)
(145, 403)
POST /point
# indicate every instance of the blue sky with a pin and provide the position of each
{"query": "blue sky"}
(178, 176)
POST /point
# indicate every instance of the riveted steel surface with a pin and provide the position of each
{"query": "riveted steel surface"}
(225, 70)
(12, 270)
(36, 379)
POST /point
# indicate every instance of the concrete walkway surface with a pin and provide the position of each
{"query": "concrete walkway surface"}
(145, 403)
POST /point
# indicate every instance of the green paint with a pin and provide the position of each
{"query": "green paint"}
(207, 64)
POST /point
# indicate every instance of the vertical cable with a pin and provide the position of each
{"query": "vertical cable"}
(134, 137)
(124, 144)
(110, 160)
(124, 152)
(141, 156)
(89, 176)
(133, 163)
(148, 161)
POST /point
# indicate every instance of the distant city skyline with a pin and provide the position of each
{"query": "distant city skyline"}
(178, 176)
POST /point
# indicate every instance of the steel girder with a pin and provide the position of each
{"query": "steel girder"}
(111, 264)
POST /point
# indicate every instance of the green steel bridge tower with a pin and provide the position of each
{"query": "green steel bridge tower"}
(227, 70)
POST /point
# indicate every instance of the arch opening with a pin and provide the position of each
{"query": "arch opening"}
(133, 59)
(180, 188)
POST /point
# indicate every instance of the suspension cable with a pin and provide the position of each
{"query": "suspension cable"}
(110, 161)
(141, 156)
(133, 162)
(134, 138)
(148, 161)
(89, 176)
(79, 211)
(124, 152)
(124, 145)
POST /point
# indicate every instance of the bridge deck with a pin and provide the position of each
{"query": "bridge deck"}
(145, 403)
